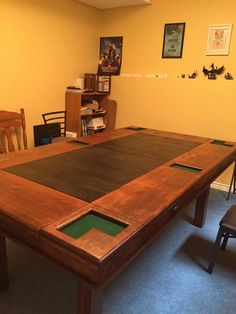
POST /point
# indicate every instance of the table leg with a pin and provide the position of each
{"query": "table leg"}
(89, 299)
(201, 208)
(4, 281)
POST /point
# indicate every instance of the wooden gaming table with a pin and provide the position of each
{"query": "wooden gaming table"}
(93, 204)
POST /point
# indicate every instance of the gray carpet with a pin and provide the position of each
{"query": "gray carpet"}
(168, 277)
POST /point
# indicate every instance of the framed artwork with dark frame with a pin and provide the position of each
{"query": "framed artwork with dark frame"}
(173, 40)
(110, 56)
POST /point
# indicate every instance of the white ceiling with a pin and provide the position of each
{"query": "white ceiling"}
(109, 4)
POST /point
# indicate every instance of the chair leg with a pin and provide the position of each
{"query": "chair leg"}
(219, 236)
(234, 187)
(232, 183)
(225, 241)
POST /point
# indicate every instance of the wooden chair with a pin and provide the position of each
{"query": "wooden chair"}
(56, 124)
(12, 131)
(227, 230)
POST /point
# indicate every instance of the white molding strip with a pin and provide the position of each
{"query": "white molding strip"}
(220, 186)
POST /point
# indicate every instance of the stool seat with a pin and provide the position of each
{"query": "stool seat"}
(227, 230)
(229, 219)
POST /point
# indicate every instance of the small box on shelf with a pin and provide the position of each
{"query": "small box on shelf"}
(92, 125)
(96, 123)
(97, 83)
(104, 83)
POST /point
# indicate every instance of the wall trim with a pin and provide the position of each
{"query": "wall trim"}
(220, 186)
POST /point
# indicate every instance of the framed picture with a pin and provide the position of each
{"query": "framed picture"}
(173, 40)
(110, 56)
(218, 39)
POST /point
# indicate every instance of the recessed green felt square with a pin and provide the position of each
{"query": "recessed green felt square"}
(220, 142)
(186, 168)
(92, 220)
(78, 143)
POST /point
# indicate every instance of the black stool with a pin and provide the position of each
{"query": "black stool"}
(227, 230)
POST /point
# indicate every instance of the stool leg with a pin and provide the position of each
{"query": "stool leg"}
(225, 241)
(4, 281)
(232, 182)
(234, 187)
(215, 250)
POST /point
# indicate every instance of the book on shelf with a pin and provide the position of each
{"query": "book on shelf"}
(84, 130)
(74, 89)
(97, 127)
(86, 111)
(99, 111)
(92, 105)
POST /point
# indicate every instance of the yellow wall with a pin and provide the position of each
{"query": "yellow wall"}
(45, 45)
(199, 106)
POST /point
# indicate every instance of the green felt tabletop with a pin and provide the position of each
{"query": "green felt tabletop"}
(82, 225)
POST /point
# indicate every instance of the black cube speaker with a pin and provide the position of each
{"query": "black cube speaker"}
(41, 133)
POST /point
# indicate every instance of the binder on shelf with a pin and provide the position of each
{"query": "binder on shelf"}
(90, 81)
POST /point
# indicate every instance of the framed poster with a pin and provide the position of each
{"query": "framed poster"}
(218, 39)
(110, 55)
(173, 40)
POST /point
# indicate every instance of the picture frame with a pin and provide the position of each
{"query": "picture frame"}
(173, 40)
(218, 41)
(110, 56)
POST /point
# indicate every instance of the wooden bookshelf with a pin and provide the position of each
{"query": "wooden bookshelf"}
(73, 103)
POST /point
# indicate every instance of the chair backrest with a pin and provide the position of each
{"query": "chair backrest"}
(12, 131)
(56, 123)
